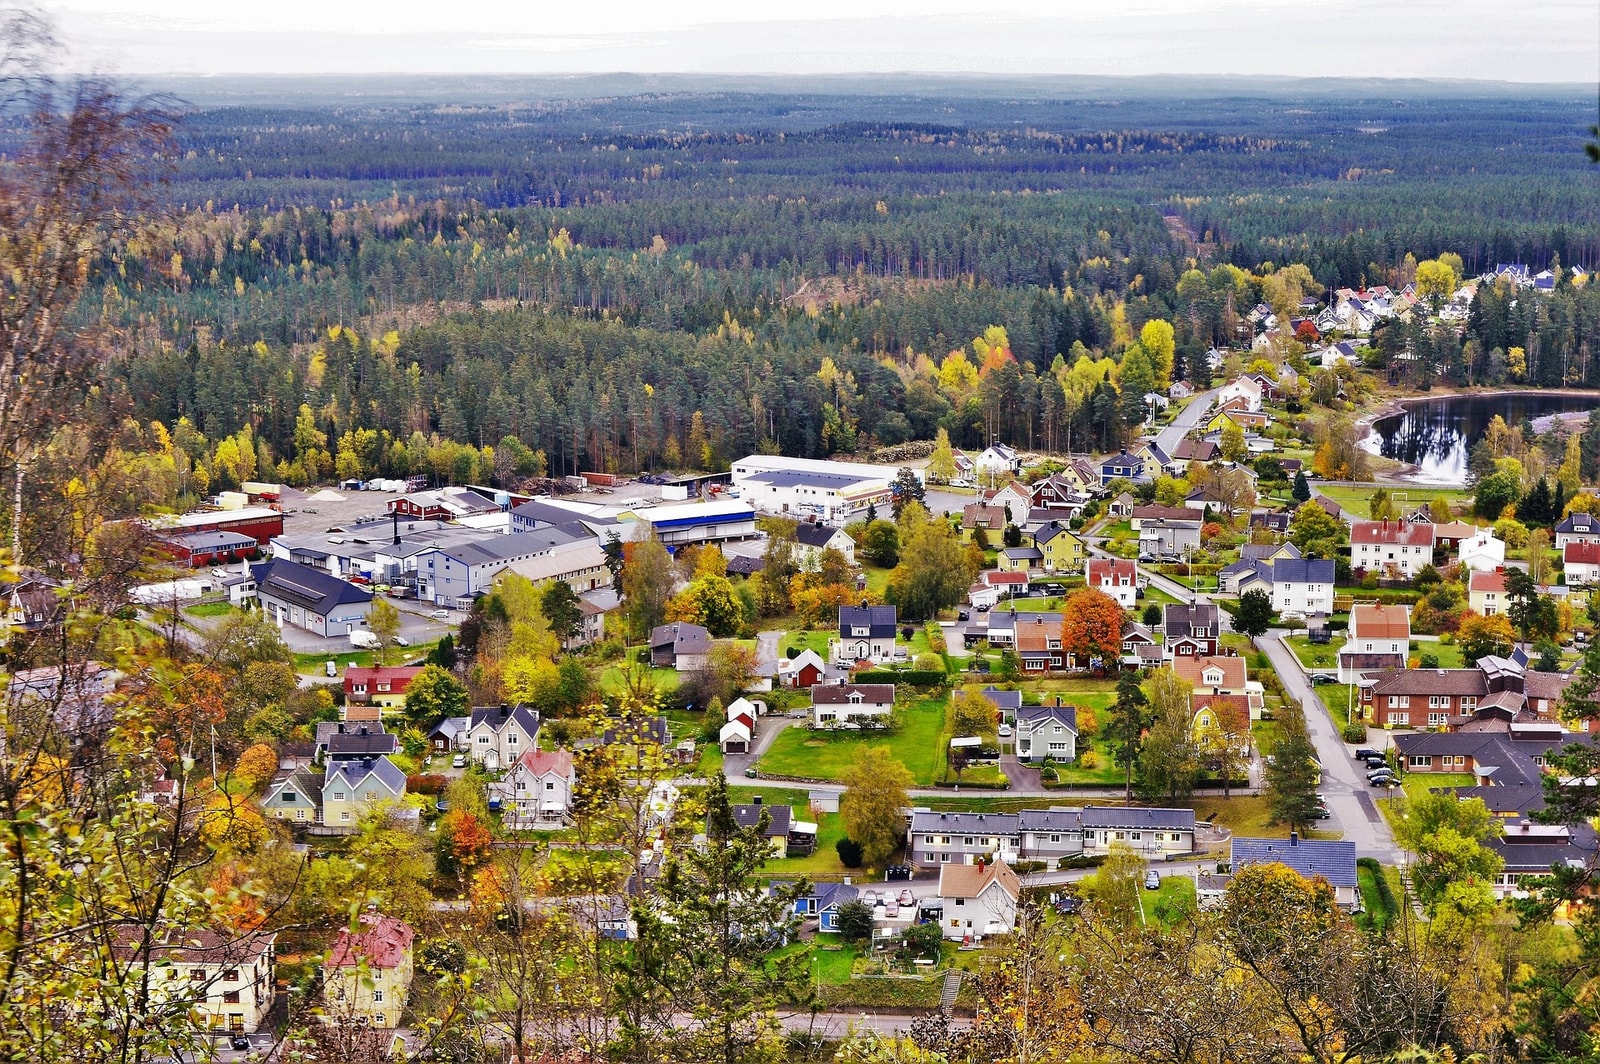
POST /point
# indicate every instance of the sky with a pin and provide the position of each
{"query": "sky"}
(1501, 40)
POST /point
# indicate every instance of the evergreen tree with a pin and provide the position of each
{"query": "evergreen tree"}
(1302, 488)
(1129, 718)
(1291, 776)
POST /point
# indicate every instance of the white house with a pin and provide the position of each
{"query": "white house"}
(1047, 732)
(1015, 499)
(1577, 528)
(1245, 388)
(1148, 831)
(1303, 586)
(1380, 639)
(1396, 548)
(1482, 551)
(997, 460)
(500, 735)
(979, 900)
(539, 789)
(735, 736)
(832, 498)
(1486, 593)
(1116, 577)
(851, 705)
(812, 539)
(226, 981)
(1581, 563)
(866, 633)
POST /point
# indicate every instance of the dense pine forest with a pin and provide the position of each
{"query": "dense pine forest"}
(400, 287)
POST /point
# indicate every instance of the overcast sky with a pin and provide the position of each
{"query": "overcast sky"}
(1505, 40)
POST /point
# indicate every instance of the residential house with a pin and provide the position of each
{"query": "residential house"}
(366, 977)
(295, 796)
(1581, 564)
(1217, 714)
(1332, 861)
(1141, 514)
(1168, 539)
(353, 738)
(1246, 388)
(1192, 450)
(1328, 506)
(224, 981)
(539, 789)
(1201, 499)
(1486, 593)
(866, 633)
(1396, 549)
(823, 902)
(1217, 675)
(1050, 834)
(499, 735)
(1576, 528)
(1151, 832)
(1482, 551)
(941, 838)
(774, 821)
(449, 735)
(1059, 492)
(736, 735)
(1037, 639)
(1082, 474)
(1448, 536)
(1122, 466)
(997, 460)
(1047, 733)
(1061, 549)
(804, 670)
(298, 595)
(1122, 506)
(679, 645)
(1277, 523)
(1380, 639)
(1116, 577)
(1016, 499)
(383, 686)
(1528, 850)
(979, 900)
(851, 705)
(1020, 559)
(1139, 647)
(1433, 698)
(986, 516)
(1302, 585)
(1232, 575)
(1155, 460)
(1190, 630)
(1006, 703)
(352, 786)
(1180, 390)
(995, 584)
(812, 539)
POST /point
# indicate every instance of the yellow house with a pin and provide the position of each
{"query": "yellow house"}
(367, 976)
(1062, 549)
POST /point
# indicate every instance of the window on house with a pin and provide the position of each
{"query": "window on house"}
(299, 814)
(1401, 701)
(231, 997)
(338, 796)
(377, 997)
(1399, 718)
(1421, 761)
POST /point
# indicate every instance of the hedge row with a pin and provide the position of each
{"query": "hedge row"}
(913, 677)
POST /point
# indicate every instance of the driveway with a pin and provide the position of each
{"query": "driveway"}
(1349, 797)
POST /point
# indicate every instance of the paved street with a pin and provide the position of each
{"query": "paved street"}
(1349, 797)
(1189, 417)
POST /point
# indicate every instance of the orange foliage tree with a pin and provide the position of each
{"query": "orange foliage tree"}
(1091, 626)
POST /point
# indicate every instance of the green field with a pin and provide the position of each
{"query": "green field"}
(806, 640)
(1170, 903)
(613, 678)
(344, 659)
(918, 744)
(1357, 500)
(209, 609)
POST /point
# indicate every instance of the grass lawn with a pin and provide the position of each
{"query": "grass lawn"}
(1248, 815)
(806, 640)
(918, 744)
(1105, 769)
(582, 870)
(1377, 913)
(1171, 903)
(1357, 500)
(831, 960)
(209, 609)
(1341, 699)
(1036, 605)
(1416, 784)
(613, 678)
(830, 829)
(1449, 655)
(344, 659)
(1156, 595)
(877, 580)
(1313, 655)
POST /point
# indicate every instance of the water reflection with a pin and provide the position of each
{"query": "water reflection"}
(1437, 435)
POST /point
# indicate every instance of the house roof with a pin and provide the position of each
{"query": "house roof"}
(1378, 621)
(818, 536)
(1455, 682)
(1194, 669)
(1267, 551)
(500, 717)
(682, 637)
(1333, 861)
(1112, 569)
(1581, 553)
(1577, 523)
(1033, 716)
(545, 762)
(1056, 818)
(1000, 577)
(380, 942)
(939, 822)
(983, 515)
(361, 742)
(1011, 700)
(1163, 513)
(1303, 571)
(1124, 460)
(880, 621)
(301, 585)
(398, 676)
(748, 816)
(1493, 580)
(970, 881)
(1136, 818)
(1181, 619)
(1392, 533)
(840, 693)
(357, 771)
(1196, 451)
(189, 945)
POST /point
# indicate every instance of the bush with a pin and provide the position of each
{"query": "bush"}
(929, 663)
(1354, 732)
(1088, 759)
(849, 852)
(432, 783)
(914, 677)
(1429, 660)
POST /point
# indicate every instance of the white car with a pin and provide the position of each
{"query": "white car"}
(440, 615)
(1003, 731)
(401, 641)
(459, 761)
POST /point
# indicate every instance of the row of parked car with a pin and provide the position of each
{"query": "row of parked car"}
(1379, 772)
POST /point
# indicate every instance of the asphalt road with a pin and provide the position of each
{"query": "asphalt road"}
(1188, 418)
(1349, 798)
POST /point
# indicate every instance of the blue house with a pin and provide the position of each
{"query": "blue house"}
(1122, 465)
(823, 902)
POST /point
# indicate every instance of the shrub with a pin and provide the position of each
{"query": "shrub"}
(1088, 759)
(432, 783)
(849, 852)
(1354, 732)
(1429, 660)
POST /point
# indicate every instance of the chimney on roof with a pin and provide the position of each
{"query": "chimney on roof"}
(505, 710)
(396, 515)
(1294, 838)
(756, 800)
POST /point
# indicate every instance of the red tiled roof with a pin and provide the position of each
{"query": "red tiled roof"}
(1494, 580)
(1377, 621)
(1102, 568)
(1582, 553)
(382, 942)
(1395, 532)
(540, 762)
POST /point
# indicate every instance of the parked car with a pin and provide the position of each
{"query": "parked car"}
(1366, 753)
(1068, 905)
(401, 641)
(891, 909)
(1003, 731)
(906, 897)
(1377, 762)
(870, 897)
(459, 761)
(239, 1041)
(440, 615)
(1321, 678)
(1383, 770)
(1384, 781)
(1152, 880)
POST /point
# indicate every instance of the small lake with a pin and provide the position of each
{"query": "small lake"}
(1435, 435)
